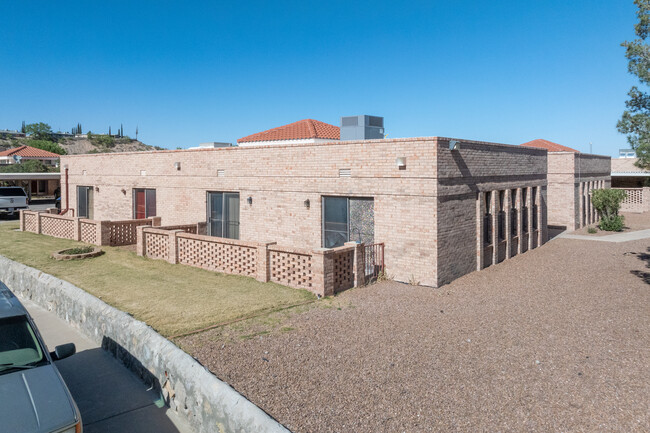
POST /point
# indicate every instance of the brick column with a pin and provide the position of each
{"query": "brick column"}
(358, 265)
(480, 211)
(494, 206)
(646, 199)
(140, 245)
(540, 223)
(263, 256)
(520, 224)
(202, 228)
(544, 214)
(529, 216)
(38, 223)
(172, 256)
(508, 225)
(22, 220)
(155, 221)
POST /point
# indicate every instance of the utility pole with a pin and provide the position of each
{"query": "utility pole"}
(590, 147)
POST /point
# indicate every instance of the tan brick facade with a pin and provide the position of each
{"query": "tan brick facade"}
(425, 212)
(571, 177)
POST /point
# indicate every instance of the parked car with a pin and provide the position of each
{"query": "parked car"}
(33, 395)
(12, 198)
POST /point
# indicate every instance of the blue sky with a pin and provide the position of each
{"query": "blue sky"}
(187, 72)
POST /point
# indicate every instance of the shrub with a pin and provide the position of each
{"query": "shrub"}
(608, 202)
(592, 230)
(79, 250)
(614, 224)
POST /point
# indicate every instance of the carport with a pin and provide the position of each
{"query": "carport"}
(35, 184)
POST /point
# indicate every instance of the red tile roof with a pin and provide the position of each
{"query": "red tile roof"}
(307, 128)
(29, 152)
(549, 145)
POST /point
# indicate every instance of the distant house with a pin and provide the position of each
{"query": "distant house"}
(6, 133)
(26, 153)
(572, 176)
(307, 131)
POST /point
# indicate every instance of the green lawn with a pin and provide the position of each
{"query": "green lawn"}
(171, 298)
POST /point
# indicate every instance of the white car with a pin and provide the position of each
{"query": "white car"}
(12, 198)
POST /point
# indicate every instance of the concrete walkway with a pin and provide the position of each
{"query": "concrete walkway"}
(110, 397)
(618, 237)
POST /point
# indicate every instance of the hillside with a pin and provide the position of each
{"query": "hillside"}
(80, 145)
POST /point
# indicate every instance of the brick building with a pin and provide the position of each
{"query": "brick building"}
(571, 178)
(441, 213)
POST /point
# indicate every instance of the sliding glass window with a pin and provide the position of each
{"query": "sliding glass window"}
(223, 214)
(85, 203)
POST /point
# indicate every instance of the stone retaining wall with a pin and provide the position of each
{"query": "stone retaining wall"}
(208, 404)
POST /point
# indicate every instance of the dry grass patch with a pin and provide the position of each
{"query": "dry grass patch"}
(173, 299)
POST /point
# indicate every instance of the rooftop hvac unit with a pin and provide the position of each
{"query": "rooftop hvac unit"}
(362, 127)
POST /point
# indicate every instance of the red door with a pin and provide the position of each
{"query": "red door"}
(140, 204)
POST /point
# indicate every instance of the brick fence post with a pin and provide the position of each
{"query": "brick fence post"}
(322, 269)
(155, 221)
(76, 235)
(202, 228)
(22, 220)
(646, 199)
(38, 223)
(172, 256)
(103, 233)
(140, 246)
(358, 264)
(263, 266)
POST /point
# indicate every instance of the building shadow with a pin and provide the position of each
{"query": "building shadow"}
(110, 397)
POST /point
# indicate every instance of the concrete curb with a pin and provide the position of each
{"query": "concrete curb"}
(207, 403)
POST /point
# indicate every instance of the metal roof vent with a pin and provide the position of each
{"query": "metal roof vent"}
(362, 127)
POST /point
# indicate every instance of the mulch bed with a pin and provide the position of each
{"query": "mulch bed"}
(557, 339)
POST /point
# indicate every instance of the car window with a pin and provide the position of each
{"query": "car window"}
(12, 192)
(19, 346)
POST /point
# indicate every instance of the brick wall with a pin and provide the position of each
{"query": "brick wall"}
(464, 174)
(420, 240)
(569, 176)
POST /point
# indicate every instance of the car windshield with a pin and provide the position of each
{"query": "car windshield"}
(12, 192)
(19, 347)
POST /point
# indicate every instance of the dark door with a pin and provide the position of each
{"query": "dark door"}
(144, 203)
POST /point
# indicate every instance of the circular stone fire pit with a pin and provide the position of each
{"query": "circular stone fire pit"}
(77, 253)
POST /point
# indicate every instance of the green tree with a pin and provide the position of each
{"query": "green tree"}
(29, 166)
(50, 146)
(39, 131)
(22, 128)
(608, 202)
(635, 121)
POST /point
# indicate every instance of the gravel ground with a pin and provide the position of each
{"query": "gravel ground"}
(557, 339)
(633, 222)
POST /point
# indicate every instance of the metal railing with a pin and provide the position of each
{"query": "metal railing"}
(373, 260)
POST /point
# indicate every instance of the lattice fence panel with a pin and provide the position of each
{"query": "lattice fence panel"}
(123, 233)
(89, 232)
(291, 269)
(156, 246)
(634, 200)
(57, 227)
(343, 270)
(30, 222)
(216, 256)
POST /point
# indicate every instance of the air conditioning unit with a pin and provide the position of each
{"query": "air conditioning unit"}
(362, 127)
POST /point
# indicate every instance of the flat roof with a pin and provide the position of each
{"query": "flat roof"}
(30, 176)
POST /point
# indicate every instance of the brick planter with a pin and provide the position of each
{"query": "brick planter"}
(61, 255)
